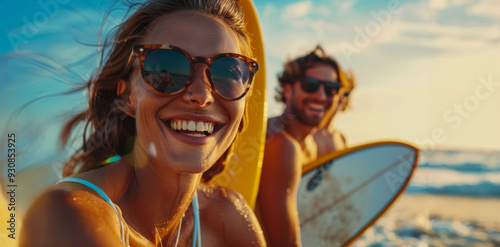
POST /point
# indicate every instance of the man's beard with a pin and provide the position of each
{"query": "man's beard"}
(300, 113)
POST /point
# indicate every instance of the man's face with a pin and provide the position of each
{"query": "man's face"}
(311, 107)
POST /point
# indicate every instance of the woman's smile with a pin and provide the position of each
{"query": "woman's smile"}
(195, 129)
(191, 128)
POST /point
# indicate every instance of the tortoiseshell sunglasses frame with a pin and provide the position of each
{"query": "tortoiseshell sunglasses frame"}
(141, 51)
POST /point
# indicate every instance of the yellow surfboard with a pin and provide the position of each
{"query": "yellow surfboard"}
(243, 171)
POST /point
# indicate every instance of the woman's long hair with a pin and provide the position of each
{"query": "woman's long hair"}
(109, 131)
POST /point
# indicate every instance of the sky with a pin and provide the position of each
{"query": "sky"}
(428, 72)
(418, 65)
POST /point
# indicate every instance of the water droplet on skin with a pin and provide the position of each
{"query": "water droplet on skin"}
(74, 198)
(224, 193)
(209, 191)
(152, 149)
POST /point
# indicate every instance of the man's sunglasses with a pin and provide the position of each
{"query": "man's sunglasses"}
(168, 70)
(311, 85)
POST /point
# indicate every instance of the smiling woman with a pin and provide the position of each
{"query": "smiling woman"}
(168, 116)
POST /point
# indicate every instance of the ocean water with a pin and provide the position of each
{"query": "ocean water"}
(454, 172)
(471, 176)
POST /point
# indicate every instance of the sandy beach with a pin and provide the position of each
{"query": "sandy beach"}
(437, 220)
(484, 210)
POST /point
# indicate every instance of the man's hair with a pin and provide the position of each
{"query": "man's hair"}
(297, 68)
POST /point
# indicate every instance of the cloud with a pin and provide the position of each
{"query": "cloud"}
(435, 36)
(438, 4)
(293, 36)
(489, 8)
(459, 2)
(448, 36)
(297, 10)
(443, 4)
(269, 11)
(346, 6)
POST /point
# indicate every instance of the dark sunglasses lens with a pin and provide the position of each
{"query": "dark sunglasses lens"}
(230, 76)
(166, 71)
(309, 86)
(331, 88)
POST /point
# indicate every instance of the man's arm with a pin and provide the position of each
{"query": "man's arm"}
(277, 202)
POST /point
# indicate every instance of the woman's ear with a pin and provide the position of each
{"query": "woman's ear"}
(127, 98)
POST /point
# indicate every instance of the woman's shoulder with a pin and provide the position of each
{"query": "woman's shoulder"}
(88, 188)
(73, 211)
(235, 218)
(70, 214)
(218, 198)
(66, 197)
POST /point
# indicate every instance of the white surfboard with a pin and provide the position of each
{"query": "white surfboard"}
(343, 193)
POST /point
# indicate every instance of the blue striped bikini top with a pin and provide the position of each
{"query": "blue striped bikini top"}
(194, 203)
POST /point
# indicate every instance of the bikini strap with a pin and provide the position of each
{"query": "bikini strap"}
(197, 228)
(196, 209)
(103, 195)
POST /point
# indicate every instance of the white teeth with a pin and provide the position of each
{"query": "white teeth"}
(200, 127)
(316, 106)
(192, 126)
(195, 134)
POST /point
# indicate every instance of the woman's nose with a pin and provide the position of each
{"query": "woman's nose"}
(199, 91)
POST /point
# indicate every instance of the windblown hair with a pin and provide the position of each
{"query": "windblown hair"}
(350, 84)
(297, 68)
(108, 130)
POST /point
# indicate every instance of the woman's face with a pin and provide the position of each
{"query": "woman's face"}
(186, 151)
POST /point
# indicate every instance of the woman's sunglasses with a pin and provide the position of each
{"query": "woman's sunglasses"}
(168, 70)
(311, 85)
